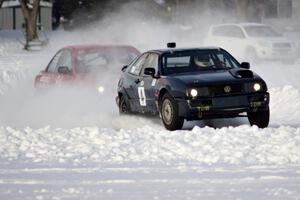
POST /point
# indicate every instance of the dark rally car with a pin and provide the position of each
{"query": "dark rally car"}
(192, 84)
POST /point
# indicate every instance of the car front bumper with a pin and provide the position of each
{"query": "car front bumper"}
(276, 54)
(222, 106)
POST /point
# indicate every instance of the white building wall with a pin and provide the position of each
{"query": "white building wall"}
(6, 16)
(46, 18)
(19, 19)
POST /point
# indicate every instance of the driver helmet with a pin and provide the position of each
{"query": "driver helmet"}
(202, 60)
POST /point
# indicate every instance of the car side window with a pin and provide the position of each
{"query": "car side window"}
(53, 64)
(225, 61)
(65, 60)
(228, 31)
(236, 32)
(151, 62)
(137, 65)
(219, 31)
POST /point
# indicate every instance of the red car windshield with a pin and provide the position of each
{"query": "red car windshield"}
(101, 61)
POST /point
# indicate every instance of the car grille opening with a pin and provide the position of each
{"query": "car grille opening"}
(282, 45)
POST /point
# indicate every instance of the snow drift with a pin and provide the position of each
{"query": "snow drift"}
(242, 145)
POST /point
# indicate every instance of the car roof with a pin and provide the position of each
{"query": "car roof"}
(100, 47)
(172, 50)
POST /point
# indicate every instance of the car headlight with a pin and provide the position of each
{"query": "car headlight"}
(256, 87)
(193, 92)
(199, 92)
(100, 89)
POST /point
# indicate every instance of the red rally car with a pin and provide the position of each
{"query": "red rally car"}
(86, 64)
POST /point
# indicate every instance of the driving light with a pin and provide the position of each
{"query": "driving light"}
(256, 87)
(100, 89)
(194, 92)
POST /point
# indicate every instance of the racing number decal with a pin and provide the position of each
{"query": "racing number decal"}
(142, 96)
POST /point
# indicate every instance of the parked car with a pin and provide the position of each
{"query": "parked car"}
(252, 41)
(91, 64)
(192, 84)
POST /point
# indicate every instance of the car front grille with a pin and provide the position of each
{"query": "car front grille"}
(227, 89)
(282, 45)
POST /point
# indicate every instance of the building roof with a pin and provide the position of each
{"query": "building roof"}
(16, 3)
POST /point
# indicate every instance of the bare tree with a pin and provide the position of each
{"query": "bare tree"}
(1, 1)
(30, 11)
(249, 10)
(241, 7)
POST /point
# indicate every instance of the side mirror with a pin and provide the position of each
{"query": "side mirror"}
(63, 70)
(149, 71)
(245, 65)
(123, 68)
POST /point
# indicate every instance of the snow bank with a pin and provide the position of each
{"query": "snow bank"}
(241, 145)
(12, 70)
(285, 106)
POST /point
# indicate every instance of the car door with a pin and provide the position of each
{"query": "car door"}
(146, 87)
(51, 75)
(132, 81)
(231, 38)
(218, 36)
(65, 61)
(48, 76)
(236, 41)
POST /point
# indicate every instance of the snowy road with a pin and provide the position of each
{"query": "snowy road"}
(50, 151)
(152, 182)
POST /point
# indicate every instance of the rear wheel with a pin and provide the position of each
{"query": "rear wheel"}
(169, 113)
(260, 118)
(123, 107)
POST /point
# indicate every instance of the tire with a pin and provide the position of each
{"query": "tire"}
(169, 113)
(123, 107)
(260, 118)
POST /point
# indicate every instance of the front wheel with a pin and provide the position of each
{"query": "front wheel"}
(169, 113)
(123, 107)
(259, 118)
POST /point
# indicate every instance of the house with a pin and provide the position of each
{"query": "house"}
(283, 14)
(11, 16)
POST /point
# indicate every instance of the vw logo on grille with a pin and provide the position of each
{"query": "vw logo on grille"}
(227, 89)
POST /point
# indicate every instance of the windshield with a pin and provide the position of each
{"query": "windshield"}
(261, 31)
(198, 60)
(102, 61)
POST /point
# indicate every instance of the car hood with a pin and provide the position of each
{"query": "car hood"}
(216, 77)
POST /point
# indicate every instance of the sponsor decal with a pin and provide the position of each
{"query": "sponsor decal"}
(142, 96)
(153, 82)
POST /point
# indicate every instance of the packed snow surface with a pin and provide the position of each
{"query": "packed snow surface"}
(62, 146)
(241, 145)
